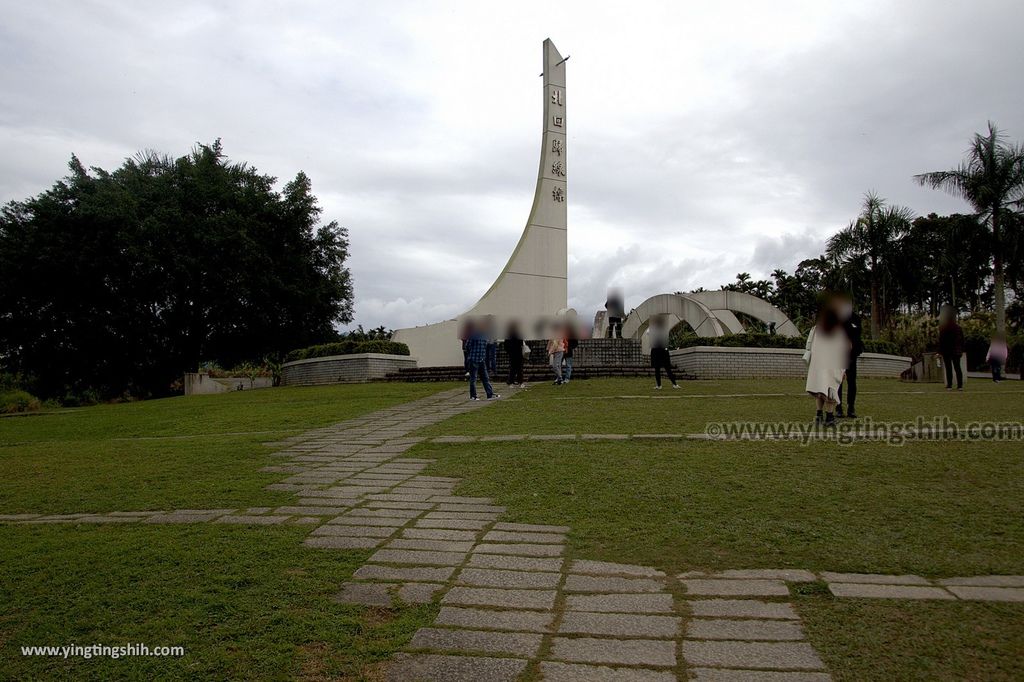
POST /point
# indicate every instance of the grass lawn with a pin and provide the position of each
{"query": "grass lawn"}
(861, 639)
(246, 603)
(632, 406)
(252, 603)
(195, 452)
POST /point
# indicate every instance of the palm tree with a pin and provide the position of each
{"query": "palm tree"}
(991, 179)
(872, 239)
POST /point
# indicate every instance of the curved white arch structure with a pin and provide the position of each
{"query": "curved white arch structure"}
(709, 313)
(693, 312)
(534, 283)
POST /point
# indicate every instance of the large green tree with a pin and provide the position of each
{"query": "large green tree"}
(120, 281)
(991, 179)
(874, 238)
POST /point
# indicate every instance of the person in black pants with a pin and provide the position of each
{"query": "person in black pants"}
(951, 346)
(514, 350)
(852, 325)
(660, 358)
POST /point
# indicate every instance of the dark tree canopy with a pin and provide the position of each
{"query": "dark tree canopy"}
(120, 281)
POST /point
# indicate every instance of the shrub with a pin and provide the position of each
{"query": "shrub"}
(347, 348)
(18, 401)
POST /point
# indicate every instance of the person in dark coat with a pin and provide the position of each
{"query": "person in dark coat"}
(951, 346)
(660, 358)
(854, 331)
(513, 345)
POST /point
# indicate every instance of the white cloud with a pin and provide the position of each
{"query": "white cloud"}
(705, 140)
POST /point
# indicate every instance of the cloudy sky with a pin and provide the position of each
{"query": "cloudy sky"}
(706, 139)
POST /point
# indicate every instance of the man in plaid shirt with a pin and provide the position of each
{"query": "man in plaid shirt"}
(476, 356)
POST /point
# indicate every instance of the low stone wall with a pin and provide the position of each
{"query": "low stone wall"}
(719, 362)
(335, 369)
(201, 383)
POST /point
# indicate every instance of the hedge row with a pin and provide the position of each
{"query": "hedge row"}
(347, 348)
(754, 340)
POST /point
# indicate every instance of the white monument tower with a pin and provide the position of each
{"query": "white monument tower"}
(534, 283)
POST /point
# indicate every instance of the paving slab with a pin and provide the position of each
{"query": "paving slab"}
(485, 577)
(438, 668)
(354, 531)
(306, 520)
(377, 504)
(609, 583)
(180, 518)
(341, 542)
(418, 593)
(753, 630)
(519, 549)
(978, 593)
(651, 652)
(455, 499)
(410, 556)
(752, 655)
(736, 588)
(404, 573)
(107, 519)
(20, 517)
(727, 675)
(368, 521)
(253, 520)
(531, 528)
(439, 534)
(986, 581)
(510, 599)
(742, 608)
(480, 641)
(478, 516)
(620, 603)
(873, 578)
(874, 591)
(790, 575)
(486, 619)
(514, 536)
(452, 524)
(385, 513)
(477, 508)
(312, 511)
(608, 568)
(368, 594)
(515, 563)
(619, 625)
(430, 545)
(553, 671)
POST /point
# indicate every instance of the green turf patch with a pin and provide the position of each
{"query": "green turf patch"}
(881, 639)
(246, 603)
(633, 406)
(928, 508)
(194, 452)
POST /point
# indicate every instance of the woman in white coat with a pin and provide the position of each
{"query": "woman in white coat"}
(827, 357)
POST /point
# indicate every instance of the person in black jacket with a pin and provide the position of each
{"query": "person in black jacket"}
(951, 346)
(513, 345)
(854, 331)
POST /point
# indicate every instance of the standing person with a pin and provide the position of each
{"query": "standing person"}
(996, 356)
(491, 356)
(556, 348)
(828, 356)
(476, 355)
(616, 309)
(514, 350)
(852, 326)
(570, 348)
(464, 333)
(660, 358)
(951, 346)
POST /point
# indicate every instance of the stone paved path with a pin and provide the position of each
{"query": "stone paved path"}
(510, 601)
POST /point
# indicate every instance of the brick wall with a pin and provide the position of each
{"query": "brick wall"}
(715, 362)
(590, 353)
(336, 369)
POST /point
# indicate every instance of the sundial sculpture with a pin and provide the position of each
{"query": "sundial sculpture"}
(533, 286)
